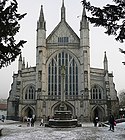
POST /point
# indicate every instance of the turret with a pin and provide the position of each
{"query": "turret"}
(27, 65)
(84, 30)
(41, 60)
(20, 63)
(84, 23)
(63, 11)
(106, 76)
(84, 39)
(41, 29)
(105, 62)
(41, 55)
(23, 65)
(84, 45)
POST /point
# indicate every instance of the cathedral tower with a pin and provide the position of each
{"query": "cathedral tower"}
(85, 56)
(41, 54)
(85, 50)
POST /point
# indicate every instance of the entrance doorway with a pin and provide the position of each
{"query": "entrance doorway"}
(29, 112)
(97, 112)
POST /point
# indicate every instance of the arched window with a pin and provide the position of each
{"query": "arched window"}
(30, 93)
(96, 92)
(71, 74)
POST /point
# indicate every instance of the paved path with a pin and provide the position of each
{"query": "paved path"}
(17, 131)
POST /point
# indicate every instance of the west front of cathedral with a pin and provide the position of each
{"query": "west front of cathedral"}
(89, 92)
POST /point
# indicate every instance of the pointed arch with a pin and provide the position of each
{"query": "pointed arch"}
(63, 50)
(28, 111)
(68, 106)
(71, 63)
(98, 111)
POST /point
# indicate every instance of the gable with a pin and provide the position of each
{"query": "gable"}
(63, 35)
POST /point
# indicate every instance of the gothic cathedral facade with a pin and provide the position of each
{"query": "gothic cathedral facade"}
(89, 92)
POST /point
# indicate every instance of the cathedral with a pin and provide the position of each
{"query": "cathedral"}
(89, 92)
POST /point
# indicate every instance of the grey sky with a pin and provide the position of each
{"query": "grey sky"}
(99, 42)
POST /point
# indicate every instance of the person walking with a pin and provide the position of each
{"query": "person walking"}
(41, 123)
(3, 118)
(111, 122)
(32, 122)
(95, 121)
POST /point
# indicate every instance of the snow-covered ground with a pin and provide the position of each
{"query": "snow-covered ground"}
(20, 131)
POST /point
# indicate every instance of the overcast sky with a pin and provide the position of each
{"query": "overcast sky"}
(99, 42)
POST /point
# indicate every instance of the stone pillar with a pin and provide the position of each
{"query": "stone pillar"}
(62, 87)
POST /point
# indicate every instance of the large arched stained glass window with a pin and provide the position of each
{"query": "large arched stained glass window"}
(71, 74)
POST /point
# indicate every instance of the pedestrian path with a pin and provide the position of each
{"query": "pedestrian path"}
(13, 130)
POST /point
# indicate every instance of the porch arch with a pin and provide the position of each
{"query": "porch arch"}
(28, 111)
(97, 111)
